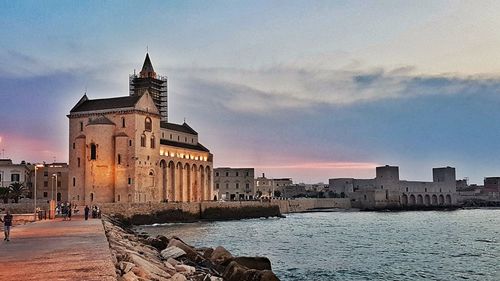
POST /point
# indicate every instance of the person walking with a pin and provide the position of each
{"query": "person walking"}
(69, 211)
(7, 224)
(87, 210)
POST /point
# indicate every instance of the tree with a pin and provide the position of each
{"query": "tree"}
(4, 194)
(277, 193)
(16, 190)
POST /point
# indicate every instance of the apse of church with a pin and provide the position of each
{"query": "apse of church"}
(122, 149)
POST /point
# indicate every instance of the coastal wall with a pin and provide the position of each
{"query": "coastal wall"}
(300, 205)
(156, 212)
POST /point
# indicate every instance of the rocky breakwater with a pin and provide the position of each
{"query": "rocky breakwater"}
(138, 257)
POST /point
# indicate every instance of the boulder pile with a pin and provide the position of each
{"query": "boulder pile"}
(138, 257)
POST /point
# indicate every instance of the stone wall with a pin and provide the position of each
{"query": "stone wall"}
(300, 205)
(157, 212)
(23, 208)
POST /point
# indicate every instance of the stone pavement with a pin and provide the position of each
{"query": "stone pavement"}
(57, 250)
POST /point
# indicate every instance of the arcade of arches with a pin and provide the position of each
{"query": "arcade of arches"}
(426, 199)
(185, 181)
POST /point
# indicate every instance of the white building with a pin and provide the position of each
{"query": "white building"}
(11, 173)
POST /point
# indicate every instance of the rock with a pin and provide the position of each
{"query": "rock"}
(220, 255)
(185, 268)
(172, 252)
(237, 272)
(148, 267)
(170, 268)
(215, 278)
(172, 261)
(157, 243)
(125, 266)
(130, 276)
(259, 263)
(207, 252)
(190, 252)
(178, 277)
(140, 272)
(234, 271)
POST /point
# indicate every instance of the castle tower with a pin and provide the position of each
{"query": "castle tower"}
(156, 85)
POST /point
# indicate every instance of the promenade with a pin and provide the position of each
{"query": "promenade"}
(57, 250)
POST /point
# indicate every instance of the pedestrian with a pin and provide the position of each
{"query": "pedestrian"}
(69, 212)
(64, 208)
(87, 210)
(7, 224)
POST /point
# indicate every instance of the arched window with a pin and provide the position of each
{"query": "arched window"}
(152, 141)
(143, 140)
(148, 124)
(93, 151)
(123, 122)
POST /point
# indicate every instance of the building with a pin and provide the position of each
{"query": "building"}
(388, 191)
(11, 173)
(492, 186)
(52, 182)
(234, 183)
(121, 151)
(265, 187)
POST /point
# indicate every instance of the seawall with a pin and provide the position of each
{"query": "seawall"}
(149, 213)
(301, 205)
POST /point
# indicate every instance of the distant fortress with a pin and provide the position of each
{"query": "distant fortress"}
(123, 149)
(386, 190)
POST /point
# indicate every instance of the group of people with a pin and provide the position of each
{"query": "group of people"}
(96, 212)
(66, 209)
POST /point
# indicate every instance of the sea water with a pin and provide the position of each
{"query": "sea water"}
(430, 245)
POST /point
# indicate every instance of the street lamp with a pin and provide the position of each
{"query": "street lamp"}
(36, 168)
(55, 175)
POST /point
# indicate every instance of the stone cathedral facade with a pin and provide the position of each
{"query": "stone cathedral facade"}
(123, 149)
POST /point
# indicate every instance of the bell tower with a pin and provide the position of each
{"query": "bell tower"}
(156, 85)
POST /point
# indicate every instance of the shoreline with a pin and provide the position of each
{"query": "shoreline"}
(138, 256)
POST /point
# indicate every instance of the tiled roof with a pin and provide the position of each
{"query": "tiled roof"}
(184, 128)
(109, 103)
(198, 146)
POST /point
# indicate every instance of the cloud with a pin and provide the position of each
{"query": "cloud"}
(285, 88)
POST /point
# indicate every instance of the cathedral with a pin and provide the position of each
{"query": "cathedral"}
(123, 149)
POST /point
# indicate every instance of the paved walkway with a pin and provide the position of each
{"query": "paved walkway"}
(57, 250)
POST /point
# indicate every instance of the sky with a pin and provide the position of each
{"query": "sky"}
(310, 90)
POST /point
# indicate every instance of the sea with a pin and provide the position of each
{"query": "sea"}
(350, 245)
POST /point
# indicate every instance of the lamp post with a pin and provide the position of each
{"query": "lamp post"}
(55, 175)
(36, 168)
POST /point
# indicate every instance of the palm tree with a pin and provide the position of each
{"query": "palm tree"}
(16, 190)
(4, 194)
